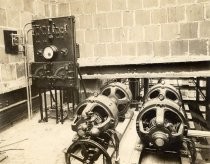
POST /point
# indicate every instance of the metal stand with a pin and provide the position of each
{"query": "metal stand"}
(57, 104)
(135, 90)
(208, 101)
(61, 106)
(146, 85)
(43, 96)
(45, 106)
(41, 107)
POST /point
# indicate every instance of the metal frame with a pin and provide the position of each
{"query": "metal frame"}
(208, 101)
(57, 97)
(155, 70)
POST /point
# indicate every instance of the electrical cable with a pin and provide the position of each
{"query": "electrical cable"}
(191, 147)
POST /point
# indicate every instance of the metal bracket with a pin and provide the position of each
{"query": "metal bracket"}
(16, 39)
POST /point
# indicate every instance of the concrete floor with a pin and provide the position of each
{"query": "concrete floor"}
(45, 142)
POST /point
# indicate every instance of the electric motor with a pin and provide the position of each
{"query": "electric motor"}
(95, 122)
(161, 122)
(95, 115)
(96, 119)
(120, 94)
(163, 91)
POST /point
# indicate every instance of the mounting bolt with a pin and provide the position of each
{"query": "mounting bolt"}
(95, 94)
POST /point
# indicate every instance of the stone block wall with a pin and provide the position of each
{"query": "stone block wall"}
(14, 14)
(142, 29)
(135, 30)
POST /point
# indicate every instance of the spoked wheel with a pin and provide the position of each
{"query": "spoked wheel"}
(87, 152)
(163, 91)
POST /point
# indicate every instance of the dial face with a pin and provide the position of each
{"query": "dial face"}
(48, 53)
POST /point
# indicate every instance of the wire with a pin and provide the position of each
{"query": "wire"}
(14, 143)
(191, 148)
(9, 150)
(26, 25)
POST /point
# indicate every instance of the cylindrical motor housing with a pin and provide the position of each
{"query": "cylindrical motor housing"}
(95, 122)
(163, 91)
(161, 122)
(95, 115)
(119, 93)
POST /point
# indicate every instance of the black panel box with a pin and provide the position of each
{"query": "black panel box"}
(9, 48)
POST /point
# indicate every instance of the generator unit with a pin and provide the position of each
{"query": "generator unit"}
(162, 124)
(95, 122)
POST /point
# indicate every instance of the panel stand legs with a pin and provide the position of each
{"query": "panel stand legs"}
(61, 105)
(56, 103)
(42, 111)
(45, 106)
(56, 106)
(40, 107)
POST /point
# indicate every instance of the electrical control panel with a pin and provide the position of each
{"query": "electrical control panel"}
(40, 74)
(54, 75)
(54, 39)
(55, 53)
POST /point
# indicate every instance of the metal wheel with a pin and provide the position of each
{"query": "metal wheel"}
(87, 152)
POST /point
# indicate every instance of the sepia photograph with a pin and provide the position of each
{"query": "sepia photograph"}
(105, 81)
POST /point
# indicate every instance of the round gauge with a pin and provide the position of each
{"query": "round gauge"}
(49, 52)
